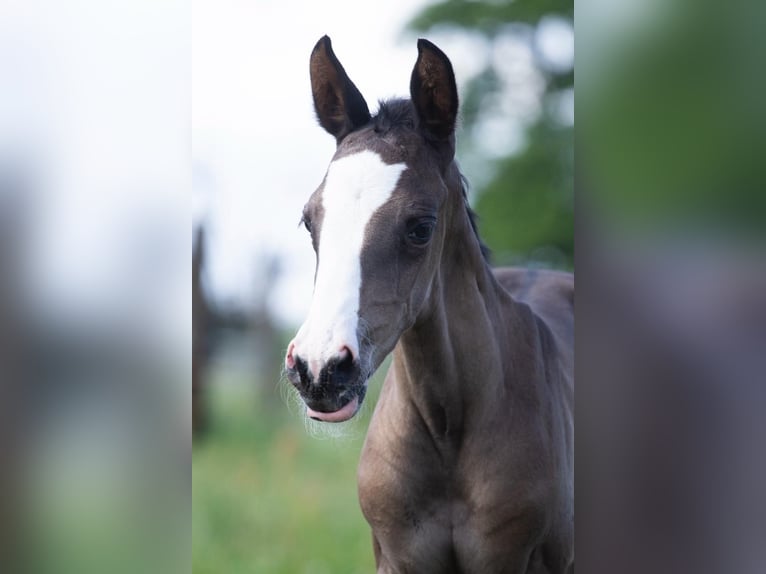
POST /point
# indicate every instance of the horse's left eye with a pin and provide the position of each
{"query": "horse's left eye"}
(421, 230)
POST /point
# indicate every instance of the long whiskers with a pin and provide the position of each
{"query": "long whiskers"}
(345, 431)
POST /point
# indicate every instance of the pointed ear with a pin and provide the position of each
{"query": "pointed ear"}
(433, 92)
(338, 103)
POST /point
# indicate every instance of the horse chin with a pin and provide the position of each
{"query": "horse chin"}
(342, 414)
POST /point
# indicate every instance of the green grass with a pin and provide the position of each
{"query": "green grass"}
(270, 498)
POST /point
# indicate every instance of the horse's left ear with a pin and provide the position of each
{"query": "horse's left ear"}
(338, 103)
(434, 92)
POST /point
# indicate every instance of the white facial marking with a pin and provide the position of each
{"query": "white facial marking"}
(356, 186)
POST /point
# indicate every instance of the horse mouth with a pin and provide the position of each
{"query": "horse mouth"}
(344, 413)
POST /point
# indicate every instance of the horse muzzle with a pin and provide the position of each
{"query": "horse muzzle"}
(332, 393)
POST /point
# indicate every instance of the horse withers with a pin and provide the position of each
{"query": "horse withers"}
(468, 461)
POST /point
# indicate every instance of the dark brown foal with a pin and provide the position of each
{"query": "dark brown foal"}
(468, 462)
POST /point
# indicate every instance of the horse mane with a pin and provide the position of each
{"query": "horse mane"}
(473, 218)
(394, 113)
(400, 113)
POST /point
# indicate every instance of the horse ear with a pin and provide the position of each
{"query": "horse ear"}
(339, 105)
(434, 92)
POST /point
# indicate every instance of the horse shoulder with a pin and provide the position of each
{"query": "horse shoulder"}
(550, 297)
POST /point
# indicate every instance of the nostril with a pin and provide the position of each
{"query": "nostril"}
(290, 359)
(301, 367)
(345, 360)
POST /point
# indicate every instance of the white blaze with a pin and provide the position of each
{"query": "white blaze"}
(355, 187)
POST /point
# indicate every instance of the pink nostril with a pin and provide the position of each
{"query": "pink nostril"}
(344, 363)
(289, 359)
(346, 357)
(345, 353)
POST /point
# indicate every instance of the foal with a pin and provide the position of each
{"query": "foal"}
(468, 462)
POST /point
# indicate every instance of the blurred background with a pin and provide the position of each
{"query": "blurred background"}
(268, 496)
(95, 321)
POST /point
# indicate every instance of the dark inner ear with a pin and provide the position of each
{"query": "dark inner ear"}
(338, 103)
(434, 92)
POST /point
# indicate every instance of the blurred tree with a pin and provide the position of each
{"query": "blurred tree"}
(200, 336)
(516, 140)
(689, 91)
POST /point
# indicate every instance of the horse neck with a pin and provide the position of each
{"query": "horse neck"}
(449, 364)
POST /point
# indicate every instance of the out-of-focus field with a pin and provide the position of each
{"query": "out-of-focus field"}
(268, 497)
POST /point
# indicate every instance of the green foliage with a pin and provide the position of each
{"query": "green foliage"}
(525, 206)
(488, 17)
(695, 81)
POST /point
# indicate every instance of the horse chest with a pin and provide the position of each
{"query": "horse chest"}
(430, 517)
(411, 523)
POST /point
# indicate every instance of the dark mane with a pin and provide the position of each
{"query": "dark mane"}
(400, 113)
(485, 251)
(394, 113)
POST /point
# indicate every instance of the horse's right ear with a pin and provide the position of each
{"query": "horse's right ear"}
(434, 92)
(338, 103)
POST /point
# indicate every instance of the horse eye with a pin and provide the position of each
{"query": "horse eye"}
(420, 232)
